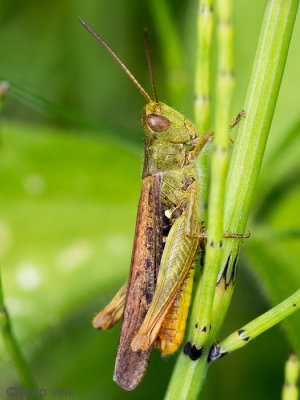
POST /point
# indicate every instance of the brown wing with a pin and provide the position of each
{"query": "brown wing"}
(130, 366)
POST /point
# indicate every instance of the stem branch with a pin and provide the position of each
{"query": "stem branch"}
(259, 325)
(202, 79)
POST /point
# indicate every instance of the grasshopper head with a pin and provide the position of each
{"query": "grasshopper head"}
(162, 122)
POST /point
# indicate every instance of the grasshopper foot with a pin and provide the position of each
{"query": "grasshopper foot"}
(237, 119)
(226, 235)
(236, 235)
(103, 321)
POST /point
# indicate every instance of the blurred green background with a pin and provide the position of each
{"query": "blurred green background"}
(70, 175)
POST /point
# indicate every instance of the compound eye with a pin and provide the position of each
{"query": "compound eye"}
(158, 123)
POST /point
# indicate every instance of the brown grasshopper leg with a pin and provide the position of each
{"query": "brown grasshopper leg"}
(237, 119)
(236, 235)
(199, 145)
(207, 137)
(112, 313)
(226, 235)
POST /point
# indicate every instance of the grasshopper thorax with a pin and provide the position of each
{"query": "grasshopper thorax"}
(162, 122)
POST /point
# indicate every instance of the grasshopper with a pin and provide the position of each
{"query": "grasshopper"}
(154, 302)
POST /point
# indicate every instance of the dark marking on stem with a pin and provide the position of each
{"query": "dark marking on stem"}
(294, 305)
(210, 327)
(246, 338)
(211, 244)
(203, 329)
(233, 272)
(226, 22)
(241, 331)
(206, 10)
(196, 326)
(224, 273)
(235, 262)
(187, 348)
(191, 351)
(226, 74)
(215, 353)
(202, 256)
(221, 244)
(203, 98)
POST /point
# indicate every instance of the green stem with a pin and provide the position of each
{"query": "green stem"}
(259, 325)
(275, 35)
(202, 103)
(219, 165)
(13, 347)
(290, 389)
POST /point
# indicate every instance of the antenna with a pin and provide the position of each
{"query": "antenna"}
(148, 53)
(123, 66)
